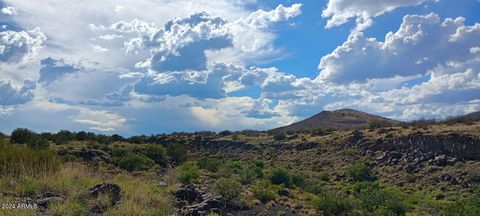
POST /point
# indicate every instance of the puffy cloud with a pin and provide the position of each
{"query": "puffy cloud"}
(217, 81)
(184, 43)
(421, 43)
(199, 84)
(262, 19)
(10, 95)
(15, 46)
(340, 11)
(9, 11)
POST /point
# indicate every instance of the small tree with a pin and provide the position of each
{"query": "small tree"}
(210, 164)
(330, 204)
(228, 188)
(133, 162)
(247, 175)
(359, 172)
(22, 136)
(188, 173)
(279, 176)
(177, 152)
(157, 153)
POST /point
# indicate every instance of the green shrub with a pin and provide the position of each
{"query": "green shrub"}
(133, 162)
(279, 137)
(228, 188)
(373, 198)
(259, 164)
(466, 207)
(359, 172)
(37, 143)
(210, 164)
(281, 175)
(324, 176)
(177, 152)
(264, 195)
(157, 153)
(22, 136)
(15, 161)
(120, 152)
(330, 204)
(235, 166)
(188, 173)
(247, 176)
(258, 171)
(297, 179)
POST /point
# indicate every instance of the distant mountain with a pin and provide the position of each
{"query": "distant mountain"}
(471, 117)
(342, 119)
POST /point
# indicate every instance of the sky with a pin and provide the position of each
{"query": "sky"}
(160, 66)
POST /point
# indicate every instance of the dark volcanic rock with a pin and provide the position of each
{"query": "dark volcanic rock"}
(113, 192)
(195, 203)
(188, 193)
(413, 150)
(87, 155)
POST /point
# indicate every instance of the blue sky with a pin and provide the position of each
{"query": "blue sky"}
(158, 66)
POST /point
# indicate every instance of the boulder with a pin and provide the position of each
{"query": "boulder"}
(44, 202)
(113, 192)
(188, 193)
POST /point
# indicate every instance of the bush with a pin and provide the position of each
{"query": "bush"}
(15, 161)
(133, 162)
(297, 179)
(359, 172)
(22, 136)
(63, 137)
(119, 152)
(375, 199)
(330, 204)
(247, 175)
(37, 143)
(235, 166)
(324, 176)
(279, 137)
(177, 152)
(228, 188)
(188, 173)
(281, 175)
(265, 191)
(157, 153)
(468, 207)
(264, 194)
(210, 164)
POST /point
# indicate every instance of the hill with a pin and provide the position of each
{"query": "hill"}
(342, 119)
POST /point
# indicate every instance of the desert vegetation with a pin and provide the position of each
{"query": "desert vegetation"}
(317, 172)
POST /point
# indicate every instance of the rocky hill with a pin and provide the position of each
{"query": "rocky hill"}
(342, 119)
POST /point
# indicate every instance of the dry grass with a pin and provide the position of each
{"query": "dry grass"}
(18, 160)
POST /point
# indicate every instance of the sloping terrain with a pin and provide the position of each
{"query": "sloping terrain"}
(415, 170)
(343, 119)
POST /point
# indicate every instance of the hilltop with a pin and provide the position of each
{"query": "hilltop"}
(343, 119)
